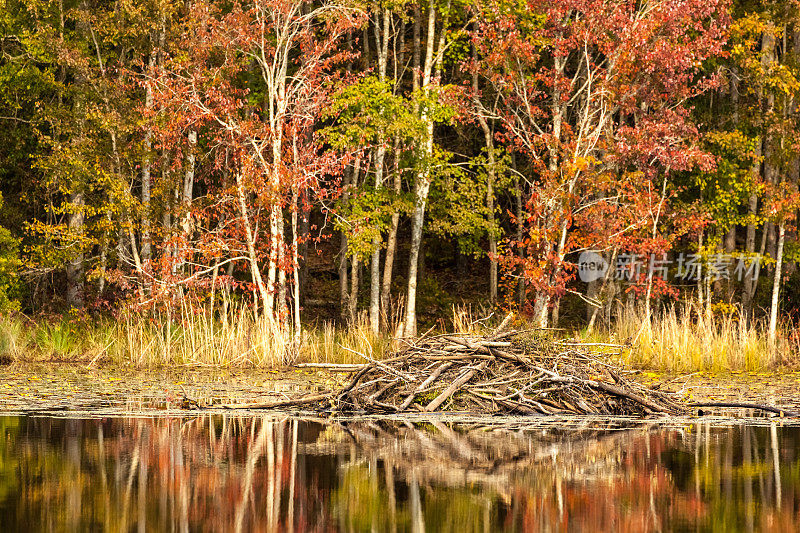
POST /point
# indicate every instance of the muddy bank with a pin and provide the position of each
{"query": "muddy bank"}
(66, 387)
(76, 387)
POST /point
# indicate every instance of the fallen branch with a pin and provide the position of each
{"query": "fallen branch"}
(305, 400)
(449, 391)
(748, 405)
(334, 367)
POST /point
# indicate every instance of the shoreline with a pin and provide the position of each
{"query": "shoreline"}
(74, 388)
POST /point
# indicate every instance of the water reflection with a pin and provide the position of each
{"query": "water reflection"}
(228, 473)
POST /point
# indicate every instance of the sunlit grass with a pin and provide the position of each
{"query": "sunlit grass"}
(65, 338)
(354, 344)
(191, 335)
(14, 336)
(686, 341)
(58, 339)
(187, 335)
(677, 340)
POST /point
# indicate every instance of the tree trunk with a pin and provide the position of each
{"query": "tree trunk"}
(557, 110)
(420, 194)
(146, 179)
(75, 281)
(700, 272)
(354, 286)
(651, 268)
(730, 236)
(186, 201)
(520, 296)
(251, 249)
(729, 247)
(305, 230)
(490, 179)
(554, 313)
(767, 57)
(274, 247)
(295, 268)
(382, 40)
(166, 216)
(344, 290)
(146, 160)
(776, 285)
(492, 234)
(416, 48)
(601, 293)
(761, 250)
(750, 241)
(423, 179)
(391, 242)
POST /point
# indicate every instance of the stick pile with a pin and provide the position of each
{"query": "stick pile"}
(505, 373)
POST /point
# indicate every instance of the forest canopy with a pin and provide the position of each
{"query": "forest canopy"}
(332, 157)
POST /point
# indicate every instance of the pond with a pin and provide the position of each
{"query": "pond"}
(269, 473)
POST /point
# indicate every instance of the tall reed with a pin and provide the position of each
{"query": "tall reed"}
(14, 337)
(194, 335)
(356, 343)
(685, 340)
(677, 340)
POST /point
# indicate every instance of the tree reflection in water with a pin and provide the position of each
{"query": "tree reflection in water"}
(228, 473)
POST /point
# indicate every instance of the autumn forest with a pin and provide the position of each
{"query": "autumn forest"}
(391, 167)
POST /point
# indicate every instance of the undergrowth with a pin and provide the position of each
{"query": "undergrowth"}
(675, 340)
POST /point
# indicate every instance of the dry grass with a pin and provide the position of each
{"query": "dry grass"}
(191, 335)
(678, 340)
(187, 335)
(354, 344)
(686, 341)
(67, 338)
(14, 337)
(238, 337)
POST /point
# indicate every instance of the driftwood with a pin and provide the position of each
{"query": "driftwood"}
(292, 402)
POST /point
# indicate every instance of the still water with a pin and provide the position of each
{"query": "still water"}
(228, 473)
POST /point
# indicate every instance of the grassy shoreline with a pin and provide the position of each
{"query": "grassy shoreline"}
(674, 341)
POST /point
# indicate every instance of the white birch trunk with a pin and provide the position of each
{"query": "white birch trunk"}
(776, 285)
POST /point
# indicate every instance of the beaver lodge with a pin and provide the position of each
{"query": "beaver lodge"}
(506, 373)
(500, 373)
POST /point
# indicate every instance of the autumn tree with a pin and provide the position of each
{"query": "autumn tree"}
(255, 78)
(586, 90)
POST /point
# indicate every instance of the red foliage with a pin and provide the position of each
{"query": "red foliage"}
(593, 95)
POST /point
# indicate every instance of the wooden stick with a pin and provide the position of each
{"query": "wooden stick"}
(436, 373)
(449, 391)
(506, 321)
